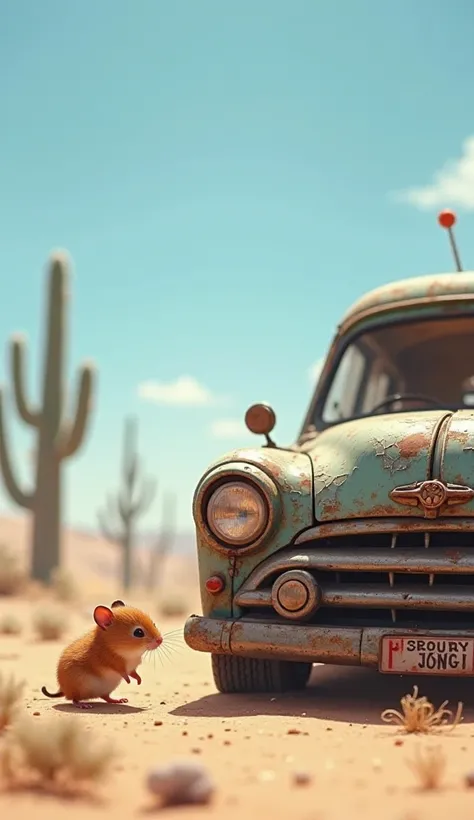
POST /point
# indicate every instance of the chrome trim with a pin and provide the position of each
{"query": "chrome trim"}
(346, 646)
(445, 560)
(375, 526)
(378, 596)
(391, 560)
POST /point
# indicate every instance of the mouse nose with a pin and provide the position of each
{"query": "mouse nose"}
(156, 642)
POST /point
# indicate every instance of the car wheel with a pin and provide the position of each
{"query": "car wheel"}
(233, 674)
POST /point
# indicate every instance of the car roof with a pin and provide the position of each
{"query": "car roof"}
(433, 287)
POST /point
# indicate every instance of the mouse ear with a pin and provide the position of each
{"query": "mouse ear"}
(103, 616)
(117, 603)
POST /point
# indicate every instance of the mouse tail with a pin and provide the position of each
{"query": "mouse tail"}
(50, 695)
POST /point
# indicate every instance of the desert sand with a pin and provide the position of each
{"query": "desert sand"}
(252, 746)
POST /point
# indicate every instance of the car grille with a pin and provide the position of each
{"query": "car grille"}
(413, 579)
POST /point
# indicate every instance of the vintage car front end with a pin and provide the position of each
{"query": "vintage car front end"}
(355, 545)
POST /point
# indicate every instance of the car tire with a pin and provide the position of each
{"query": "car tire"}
(233, 674)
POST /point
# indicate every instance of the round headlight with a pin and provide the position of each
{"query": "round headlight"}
(237, 513)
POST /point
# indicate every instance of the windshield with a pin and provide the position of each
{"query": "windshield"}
(429, 359)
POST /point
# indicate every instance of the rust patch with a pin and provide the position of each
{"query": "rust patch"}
(380, 510)
(373, 496)
(411, 446)
(331, 508)
(462, 436)
(454, 555)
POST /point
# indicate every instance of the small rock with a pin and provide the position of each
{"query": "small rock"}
(302, 778)
(158, 723)
(180, 783)
(36, 714)
(399, 742)
(196, 750)
(266, 776)
(469, 779)
(294, 732)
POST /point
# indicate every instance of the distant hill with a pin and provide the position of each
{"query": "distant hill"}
(88, 555)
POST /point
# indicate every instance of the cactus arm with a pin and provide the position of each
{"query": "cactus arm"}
(73, 435)
(106, 529)
(145, 500)
(12, 486)
(27, 413)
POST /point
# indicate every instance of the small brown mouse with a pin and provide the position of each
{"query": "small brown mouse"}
(94, 665)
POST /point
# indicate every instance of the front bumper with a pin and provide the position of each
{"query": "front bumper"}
(346, 646)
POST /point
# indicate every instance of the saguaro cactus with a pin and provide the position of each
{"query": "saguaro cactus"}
(58, 438)
(119, 518)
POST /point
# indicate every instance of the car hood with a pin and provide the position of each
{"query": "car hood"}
(358, 464)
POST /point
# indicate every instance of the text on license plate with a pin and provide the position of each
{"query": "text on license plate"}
(429, 656)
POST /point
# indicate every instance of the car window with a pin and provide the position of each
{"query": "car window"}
(346, 386)
(428, 357)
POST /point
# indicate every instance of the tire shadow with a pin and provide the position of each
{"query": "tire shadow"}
(340, 693)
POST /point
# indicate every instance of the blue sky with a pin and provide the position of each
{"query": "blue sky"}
(223, 176)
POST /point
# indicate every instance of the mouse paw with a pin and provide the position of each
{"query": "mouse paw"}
(115, 700)
(81, 705)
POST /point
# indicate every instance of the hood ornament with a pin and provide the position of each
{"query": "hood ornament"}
(432, 495)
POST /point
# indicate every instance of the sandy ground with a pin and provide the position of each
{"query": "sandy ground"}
(252, 746)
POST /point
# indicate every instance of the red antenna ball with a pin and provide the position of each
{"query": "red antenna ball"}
(447, 219)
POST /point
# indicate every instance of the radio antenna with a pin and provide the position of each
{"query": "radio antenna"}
(447, 219)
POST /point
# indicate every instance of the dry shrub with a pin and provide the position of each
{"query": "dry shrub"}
(56, 755)
(429, 767)
(64, 586)
(50, 622)
(12, 577)
(173, 605)
(11, 693)
(10, 624)
(418, 715)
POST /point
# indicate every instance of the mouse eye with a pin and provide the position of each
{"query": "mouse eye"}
(138, 632)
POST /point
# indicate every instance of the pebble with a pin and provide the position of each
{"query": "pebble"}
(302, 778)
(469, 779)
(266, 776)
(294, 732)
(180, 782)
(158, 723)
(36, 714)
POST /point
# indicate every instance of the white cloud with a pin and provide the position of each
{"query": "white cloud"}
(228, 428)
(315, 371)
(452, 185)
(184, 391)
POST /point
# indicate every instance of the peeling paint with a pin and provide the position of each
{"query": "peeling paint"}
(358, 463)
(391, 457)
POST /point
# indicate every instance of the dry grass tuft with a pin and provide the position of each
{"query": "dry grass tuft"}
(12, 577)
(429, 767)
(11, 693)
(173, 605)
(56, 756)
(64, 586)
(418, 715)
(10, 625)
(50, 622)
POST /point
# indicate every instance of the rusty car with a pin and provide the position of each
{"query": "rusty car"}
(354, 545)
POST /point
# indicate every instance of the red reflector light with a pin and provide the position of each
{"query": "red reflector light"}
(215, 584)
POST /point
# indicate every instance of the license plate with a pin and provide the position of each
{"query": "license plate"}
(427, 656)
